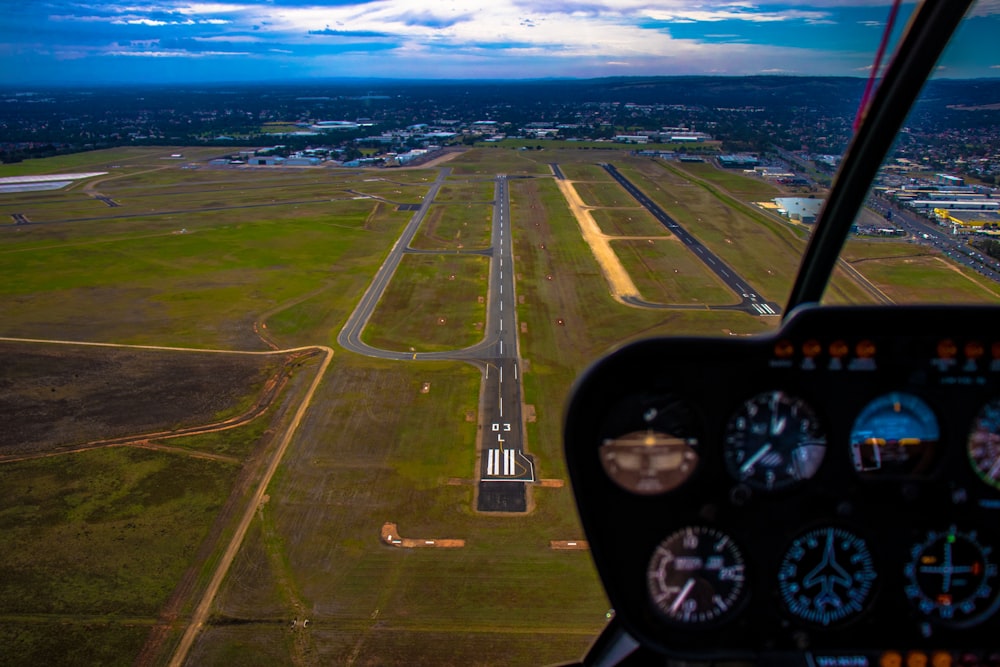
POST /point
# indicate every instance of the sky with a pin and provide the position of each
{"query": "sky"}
(181, 41)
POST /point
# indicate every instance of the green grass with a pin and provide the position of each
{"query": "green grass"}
(665, 271)
(455, 226)
(374, 446)
(104, 533)
(732, 180)
(434, 302)
(106, 160)
(494, 160)
(585, 172)
(183, 289)
(628, 222)
(377, 465)
(764, 252)
(604, 194)
(909, 273)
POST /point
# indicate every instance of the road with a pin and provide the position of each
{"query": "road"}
(750, 299)
(504, 467)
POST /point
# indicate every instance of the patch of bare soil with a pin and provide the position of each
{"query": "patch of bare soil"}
(569, 545)
(55, 396)
(390, 535)
(619, 281)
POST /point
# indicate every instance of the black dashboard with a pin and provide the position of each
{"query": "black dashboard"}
(828, 494)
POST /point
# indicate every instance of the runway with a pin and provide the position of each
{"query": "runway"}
(750, 299)
(504, 467)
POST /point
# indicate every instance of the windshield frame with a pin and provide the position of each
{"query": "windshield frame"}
(928, 33)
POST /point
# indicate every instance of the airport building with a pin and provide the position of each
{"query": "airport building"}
(741, 161)
(799, 209)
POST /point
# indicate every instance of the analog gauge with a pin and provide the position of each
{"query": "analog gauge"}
(696, 576)
(826, 576)
(773, 441)
(657, 451)
(984, 443)
(951, 578)
(895, 434)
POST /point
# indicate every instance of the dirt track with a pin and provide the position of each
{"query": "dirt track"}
(619, 281)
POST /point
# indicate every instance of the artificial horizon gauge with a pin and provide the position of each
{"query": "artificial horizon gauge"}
(983, 445)
(826, 576)
(696, 576)
(656, 450)
(951, 578)
(773, 441)
(649, 462)
(896, 434)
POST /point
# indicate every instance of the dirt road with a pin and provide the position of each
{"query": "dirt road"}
(619, 282)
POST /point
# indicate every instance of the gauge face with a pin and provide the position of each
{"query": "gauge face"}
(649, 462)
(657, 449)
(826, 576)
(984, 444)
(696, 576)
(773, 441)
(951, 578)
(896, 434)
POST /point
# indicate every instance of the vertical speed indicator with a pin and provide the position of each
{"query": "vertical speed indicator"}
(696, 576)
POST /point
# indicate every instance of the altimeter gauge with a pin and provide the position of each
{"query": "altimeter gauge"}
(826, 576)
(696, 576)
(773, 441)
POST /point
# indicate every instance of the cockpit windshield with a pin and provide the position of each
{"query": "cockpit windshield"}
(294, 296)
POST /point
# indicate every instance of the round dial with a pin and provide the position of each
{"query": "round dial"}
(896, 433)
(648, 462)
(826, 576)
(656, 450)
(696, 576)
(773, 441)
(951, 578)
(984, 443)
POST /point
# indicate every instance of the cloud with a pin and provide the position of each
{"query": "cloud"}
(349, 33)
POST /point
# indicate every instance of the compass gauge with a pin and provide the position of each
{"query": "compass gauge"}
(826, 576)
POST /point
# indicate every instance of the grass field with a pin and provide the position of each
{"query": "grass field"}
(435, 302)
(628, 222)
(455, 226)
(106, 550)
(665, 272)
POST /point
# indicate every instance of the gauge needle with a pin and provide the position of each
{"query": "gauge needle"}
(778, 425)
(758, 455)
(682, 595)
(994, 469)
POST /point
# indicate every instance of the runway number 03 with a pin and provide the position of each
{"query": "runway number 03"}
(496, 427)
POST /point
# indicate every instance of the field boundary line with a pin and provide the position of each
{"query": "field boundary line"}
(200, 614)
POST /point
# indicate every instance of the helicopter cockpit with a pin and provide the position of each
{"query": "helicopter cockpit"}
(827, 494)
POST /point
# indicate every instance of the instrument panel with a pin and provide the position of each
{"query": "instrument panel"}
(831, 489)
